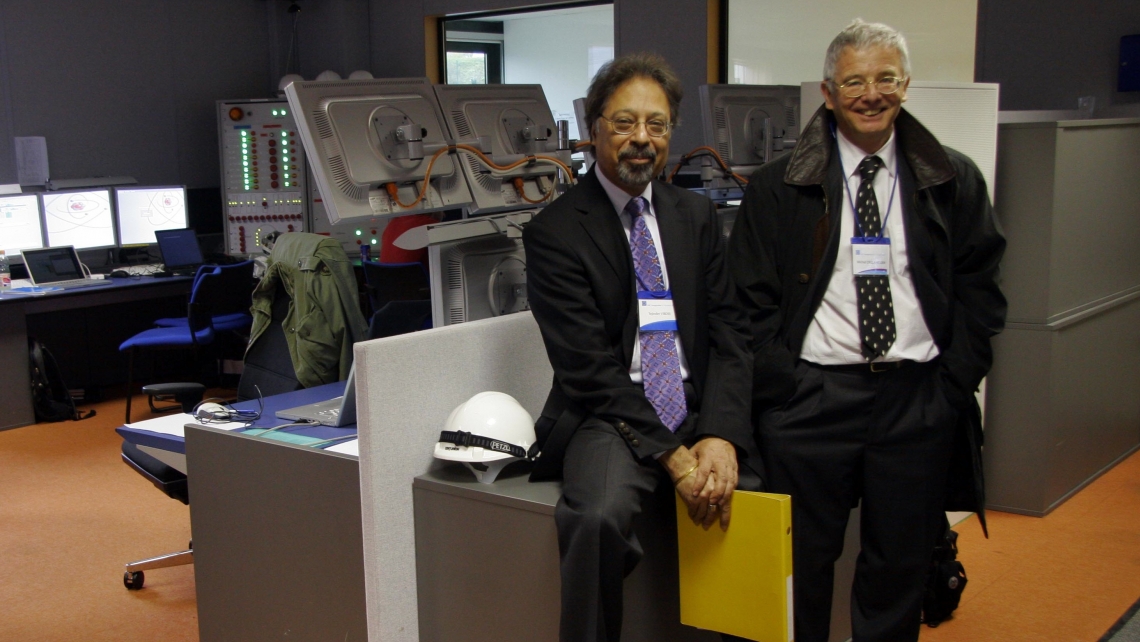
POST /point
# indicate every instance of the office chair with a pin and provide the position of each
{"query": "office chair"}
(400, 317)
(171, 482)
(268, 365)
(395, 282)
(228, 298)
(198, 332)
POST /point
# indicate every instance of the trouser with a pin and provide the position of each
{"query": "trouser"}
(604, 488)
(850, 434)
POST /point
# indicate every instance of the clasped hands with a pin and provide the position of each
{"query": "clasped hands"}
(704, 476)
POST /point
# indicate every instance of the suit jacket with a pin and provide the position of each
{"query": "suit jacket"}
(580, 283)
(784, 245)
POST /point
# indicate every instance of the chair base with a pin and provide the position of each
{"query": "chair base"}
(133, 577)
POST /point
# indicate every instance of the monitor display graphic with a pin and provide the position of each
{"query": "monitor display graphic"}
(82, 219)
(20, 226)
(143, 211)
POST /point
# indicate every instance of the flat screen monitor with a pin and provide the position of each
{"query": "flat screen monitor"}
(82, 219)
(370, 143)
(21, 227)
(179, 248)
(142, 211)
(749, 125)
(515, 120)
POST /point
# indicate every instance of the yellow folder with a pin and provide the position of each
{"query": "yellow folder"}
(739, 582)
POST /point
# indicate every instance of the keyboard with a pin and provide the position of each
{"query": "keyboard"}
(77, 283)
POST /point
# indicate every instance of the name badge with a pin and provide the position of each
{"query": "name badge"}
(870, 255)
(655, 312)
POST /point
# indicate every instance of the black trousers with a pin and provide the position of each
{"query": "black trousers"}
(846, 435)
(604, 488)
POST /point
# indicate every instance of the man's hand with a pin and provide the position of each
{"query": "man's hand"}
(682, 466)
(715, 477)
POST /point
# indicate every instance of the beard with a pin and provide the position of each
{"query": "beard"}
(637, 174)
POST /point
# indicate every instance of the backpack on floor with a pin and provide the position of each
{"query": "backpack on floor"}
(945, 582)
(50, 397)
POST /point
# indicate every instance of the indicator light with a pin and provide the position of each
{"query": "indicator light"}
(358, 232)
(236, 113)
(374, 241)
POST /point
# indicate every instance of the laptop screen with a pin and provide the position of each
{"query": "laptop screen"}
(52, 265)
(179, 248)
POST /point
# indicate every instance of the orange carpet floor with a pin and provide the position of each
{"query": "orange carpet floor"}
(71, 514)
(1065, 577)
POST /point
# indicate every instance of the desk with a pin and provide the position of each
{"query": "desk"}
(97, 333)
(278, 551)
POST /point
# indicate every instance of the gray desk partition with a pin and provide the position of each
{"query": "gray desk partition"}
(407, 386)
(277, 540)
(1062, 399)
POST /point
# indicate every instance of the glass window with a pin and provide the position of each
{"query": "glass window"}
(560, 49)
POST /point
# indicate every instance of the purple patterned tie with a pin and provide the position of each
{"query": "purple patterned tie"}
(660, 365)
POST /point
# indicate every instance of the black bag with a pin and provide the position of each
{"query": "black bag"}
(945, 583)
(50, 397)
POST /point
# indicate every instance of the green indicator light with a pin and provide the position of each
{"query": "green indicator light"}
(286, 167)
(374, 241)
(359, 233)
(285, 158)
(284, 134)
(245, 163)
(286, 183)
(283, 112)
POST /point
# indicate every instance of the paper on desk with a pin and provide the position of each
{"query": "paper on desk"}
(174, 424)
(350, 447)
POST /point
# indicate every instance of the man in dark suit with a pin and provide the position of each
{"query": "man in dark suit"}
(868, 261)
(638, 400)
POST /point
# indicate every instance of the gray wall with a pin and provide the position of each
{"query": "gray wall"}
(128, 86)
(1046, 53)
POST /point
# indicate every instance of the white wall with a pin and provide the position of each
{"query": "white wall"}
(783, 43)
(552, 49)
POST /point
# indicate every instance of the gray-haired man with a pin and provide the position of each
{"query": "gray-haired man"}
(867, 260)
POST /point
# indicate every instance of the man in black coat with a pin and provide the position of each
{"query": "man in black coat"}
(867, 260)
(637, 400)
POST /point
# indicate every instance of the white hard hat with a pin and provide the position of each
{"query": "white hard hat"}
(487, 432)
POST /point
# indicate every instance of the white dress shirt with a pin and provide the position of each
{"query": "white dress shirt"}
(620, 198)
(833, 336)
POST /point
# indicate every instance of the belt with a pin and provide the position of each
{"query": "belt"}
(874, 366)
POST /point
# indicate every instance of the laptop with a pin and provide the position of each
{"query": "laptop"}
(58, 267)
(181, 254)
(336, 412)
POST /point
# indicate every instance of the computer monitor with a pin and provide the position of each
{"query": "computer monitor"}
(478, 268)
(180, 249)
(82, 219)
(21, 227)
(749, 125)
(370, 143)
(141, 211)
(516, 122)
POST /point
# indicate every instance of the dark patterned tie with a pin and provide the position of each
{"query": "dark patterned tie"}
(660, 365)
(876, 311)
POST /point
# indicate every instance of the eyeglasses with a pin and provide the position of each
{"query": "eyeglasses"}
(624, 126)
(858, 87)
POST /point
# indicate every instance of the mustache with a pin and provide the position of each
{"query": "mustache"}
(646, 152)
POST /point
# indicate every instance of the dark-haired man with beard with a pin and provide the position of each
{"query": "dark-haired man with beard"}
(652, 375)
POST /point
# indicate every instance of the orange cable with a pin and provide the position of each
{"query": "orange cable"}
(713, 152)
(393, 189)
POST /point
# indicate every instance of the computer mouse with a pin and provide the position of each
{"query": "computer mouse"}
(119, 274)
(212, 411)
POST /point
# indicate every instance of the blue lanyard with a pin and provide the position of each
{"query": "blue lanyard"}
(851, 200)
(847, 188)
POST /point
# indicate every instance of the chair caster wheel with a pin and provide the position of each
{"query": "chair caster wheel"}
(133, 581)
